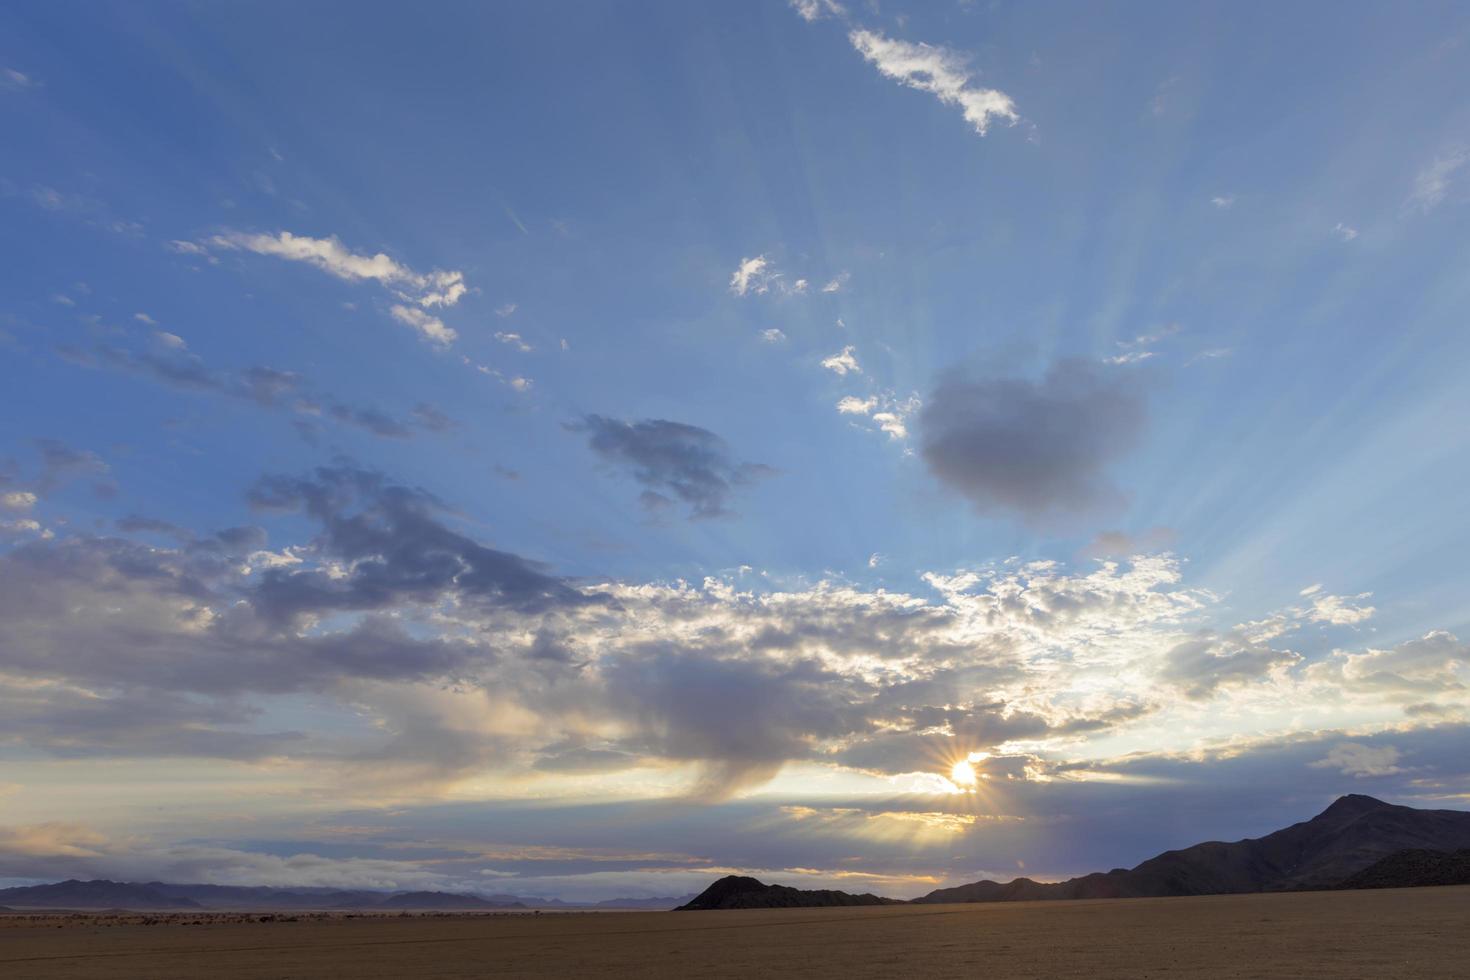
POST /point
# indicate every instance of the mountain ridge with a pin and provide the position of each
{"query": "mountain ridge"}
(1347, 837)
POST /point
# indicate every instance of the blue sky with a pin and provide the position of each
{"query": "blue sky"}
(736, 413)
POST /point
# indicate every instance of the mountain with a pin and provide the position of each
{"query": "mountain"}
(1414, 869)
(441, 900)
(1346, 838)
(259, 897)
(737, 892)
(99, 894)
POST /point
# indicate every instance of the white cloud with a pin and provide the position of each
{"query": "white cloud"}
(565, 345)
(1223, 201)
(874, 560)
(752, 276)
(439, 287)
(431, 328)
(1339, 611)
(811, 10)
(773, 335)
(1210, 354)
(171, 340)
(1346, 233)
(1311, 589)
(800, 286)
(843, 362)
(513, 340)
(836, 283)
(938, 71)
(852, 405)
(186, 248)
(1432, 184)
(17, 500)
(521, 384)
(505, 310)
(62, 299)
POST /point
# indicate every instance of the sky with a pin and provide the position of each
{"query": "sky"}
(580, 450)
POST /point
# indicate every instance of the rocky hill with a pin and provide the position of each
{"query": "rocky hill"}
(1414, 869)
(738, 892)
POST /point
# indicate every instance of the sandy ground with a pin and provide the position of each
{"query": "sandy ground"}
(1401, 933)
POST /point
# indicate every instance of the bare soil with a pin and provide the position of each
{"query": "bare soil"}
(1399, 933)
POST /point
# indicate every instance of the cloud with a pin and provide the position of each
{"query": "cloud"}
(939, 71)
(1037, 448)
(170, 363)
(505, 310)
(1344, 232)
(752, 275)
(852, 405)
(836, 283)
(1361, 761)
(843, 362)
(513, 340)
(430, 328)
(1223, 201)
(812, 10)
(421, 290)
(773, 335)
(1432, 183)
(1121, 544)
(672, 461)
(17, 500)
(12, 80)
(1339, 611)
(1199, 667)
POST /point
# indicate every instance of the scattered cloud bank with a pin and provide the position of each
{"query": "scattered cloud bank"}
(943, 73)
(674, 462)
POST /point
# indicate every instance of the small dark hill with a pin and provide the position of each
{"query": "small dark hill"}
(1414, 869)
(1351, 834)
(438, 900)
(98, 894)
(737, 892)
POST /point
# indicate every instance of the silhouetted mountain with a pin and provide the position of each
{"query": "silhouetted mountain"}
(1414, 869)
(1342, 840)
(737, 892)
(441, 900)
(98, 894)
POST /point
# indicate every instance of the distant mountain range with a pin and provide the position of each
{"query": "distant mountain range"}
(159, 896)
(1357, 842)
(739, 892)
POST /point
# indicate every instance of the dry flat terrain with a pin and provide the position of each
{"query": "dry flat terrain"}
(1400, 933)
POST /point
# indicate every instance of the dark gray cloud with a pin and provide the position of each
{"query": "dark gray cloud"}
(1037, 448)
(674, 462)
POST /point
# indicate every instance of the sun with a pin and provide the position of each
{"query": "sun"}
(962, 774)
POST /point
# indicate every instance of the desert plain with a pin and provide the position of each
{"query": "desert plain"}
(1398, 933)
